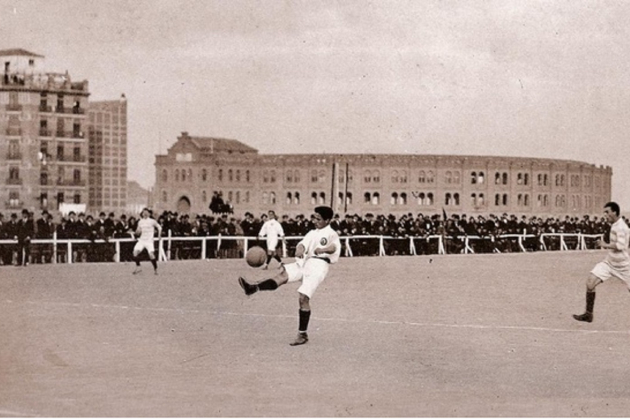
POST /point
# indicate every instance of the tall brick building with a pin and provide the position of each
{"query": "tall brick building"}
(194, 168)
(48, 128)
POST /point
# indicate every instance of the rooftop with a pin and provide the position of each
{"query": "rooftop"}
(18, 51)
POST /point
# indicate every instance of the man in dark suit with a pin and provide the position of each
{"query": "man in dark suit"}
(25, 232)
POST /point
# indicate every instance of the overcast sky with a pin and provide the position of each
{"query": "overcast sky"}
(515, 78)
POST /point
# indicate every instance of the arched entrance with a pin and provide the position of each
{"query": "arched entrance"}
(183, 205)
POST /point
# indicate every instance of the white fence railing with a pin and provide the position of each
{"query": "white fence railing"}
(69, 250)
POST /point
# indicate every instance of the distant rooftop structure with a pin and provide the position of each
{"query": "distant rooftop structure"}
(218, 145)
(18, 52)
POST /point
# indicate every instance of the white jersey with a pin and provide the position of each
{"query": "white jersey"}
(619, 237)
(147, 228)
(272, 230)
(321, 238)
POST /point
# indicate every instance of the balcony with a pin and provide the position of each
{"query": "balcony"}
(14, 107)
(13, 204)
(71, 182)
(60, 109)
(45, 108)
(13, 181)
(77, 135)
(43, 132)
(72, 159)
(12, 131)
(14, 156)
(78, 110)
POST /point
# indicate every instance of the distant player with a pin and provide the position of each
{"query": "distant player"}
(616, 264)
(314, 254)
(146, 232)
(273, 231)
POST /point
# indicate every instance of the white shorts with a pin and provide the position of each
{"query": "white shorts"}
(604, 271)
(311, 272)
(144, 244)
(272, 244)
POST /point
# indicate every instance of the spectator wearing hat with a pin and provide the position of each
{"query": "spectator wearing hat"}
(25, 233)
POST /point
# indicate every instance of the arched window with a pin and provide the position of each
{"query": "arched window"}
(505, 178)
(526, 200)
(394, 177)
(183, 175)
(265, 176)
(422, 177)
(238, 175)
(265, 197)
(447, 199)
(220, 175)
(473, 177)
(322, 198)
(272, 197)
(289, 198)
(481, 200)
(402, 199)
(289, 176)
(430, 200)
(421, 197)
(456, 177)
(376, 199)
(430, 177)
(296, 176)
(525, 179)
(272, 176)
(190, 176)
(505, 199)
(473, 197)
(376, 176)
(403, 177)
(164, 175)
(367, 198)
(204, 175)
(497, 199)
(497, 178)
(164, 196)
(176, 174)
(204, 196)
(296, 198)
(448, 177)
(456, 198)
(314, 175)
(349, 198)
(313, 198)
(519, 199)
(247, 176)
(394, 199)
(481, 178)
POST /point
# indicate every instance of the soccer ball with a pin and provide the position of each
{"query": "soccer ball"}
(256, 256)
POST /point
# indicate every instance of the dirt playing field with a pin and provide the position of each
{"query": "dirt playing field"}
(459, 335)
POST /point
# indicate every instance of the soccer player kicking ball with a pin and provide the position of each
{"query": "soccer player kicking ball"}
(146, 231)
(617, 262)
(314, 254)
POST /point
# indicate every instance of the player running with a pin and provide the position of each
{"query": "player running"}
(273, 231)
(146, 231)
(314, 254)
(617, 262)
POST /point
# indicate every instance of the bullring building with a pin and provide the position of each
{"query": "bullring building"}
(196, 168)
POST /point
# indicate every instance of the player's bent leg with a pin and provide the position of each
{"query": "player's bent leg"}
(304, 318)
(591, 284)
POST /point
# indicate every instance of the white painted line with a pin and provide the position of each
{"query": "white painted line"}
(339, 320)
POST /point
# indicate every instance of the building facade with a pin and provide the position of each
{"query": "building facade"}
(195, 168)
(107, 155)
(57, 149)
(43, 146)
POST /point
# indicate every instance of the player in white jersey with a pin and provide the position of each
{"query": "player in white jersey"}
(617, 262)
(273, 231)
(146, 232)
(314, 254)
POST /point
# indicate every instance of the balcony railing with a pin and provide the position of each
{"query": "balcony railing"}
(14, 107)
(70, 159)
(78, 110)
(77, 135)
(14, 181)
(13, 204)
(71, 182)
(14, 131)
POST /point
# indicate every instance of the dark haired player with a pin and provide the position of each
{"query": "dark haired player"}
(314, 254)
(616, 264)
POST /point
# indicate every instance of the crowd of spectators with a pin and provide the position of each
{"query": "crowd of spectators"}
(489, 233)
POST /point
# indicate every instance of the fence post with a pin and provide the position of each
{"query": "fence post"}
(54, 255)
(412, 246)
(203, 248)
(440, 245)
(381, 247)
(348, 249)
(563, 245)
(117, 256)
(168, 254)
(69, 252)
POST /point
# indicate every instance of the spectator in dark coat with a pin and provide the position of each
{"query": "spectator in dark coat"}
(25, 233)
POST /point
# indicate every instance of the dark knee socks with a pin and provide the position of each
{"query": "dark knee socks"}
(590, 301)
(305, 316)
(269, 284)
(154, 263)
